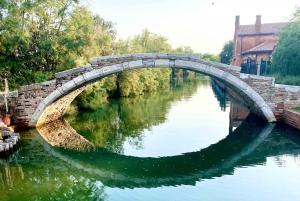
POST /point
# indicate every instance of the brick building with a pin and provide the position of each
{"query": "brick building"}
(254, 43)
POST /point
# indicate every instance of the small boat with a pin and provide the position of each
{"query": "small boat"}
(9, 142)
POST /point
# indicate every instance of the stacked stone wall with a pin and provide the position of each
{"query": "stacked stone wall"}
(292, 118)
(291, 95)
(11, 98)
(29, 98)
(278, 97)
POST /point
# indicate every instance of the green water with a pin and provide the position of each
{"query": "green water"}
(176, 144)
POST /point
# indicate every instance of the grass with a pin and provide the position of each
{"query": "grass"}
(297, 109)
(286, 80)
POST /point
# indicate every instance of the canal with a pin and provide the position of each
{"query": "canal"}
(193, 141)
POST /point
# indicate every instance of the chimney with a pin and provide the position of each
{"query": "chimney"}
(237, 22)
(235, 41)
(258, 24)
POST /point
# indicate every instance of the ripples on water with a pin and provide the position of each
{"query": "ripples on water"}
(188, 143)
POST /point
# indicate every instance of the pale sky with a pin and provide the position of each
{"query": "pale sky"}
(203, 26)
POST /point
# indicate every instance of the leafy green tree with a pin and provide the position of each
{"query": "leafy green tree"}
(210, 57)
(286, 57)
(184, 50)
(227, 52)
(135, 82)
(30, 37)
(130, 83)
(39, 38)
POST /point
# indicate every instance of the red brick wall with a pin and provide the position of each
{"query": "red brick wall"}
(292, 118)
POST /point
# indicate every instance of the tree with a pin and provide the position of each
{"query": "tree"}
(134, 82)
(39, 38)
(31, 38)
(210, 57)
(227, 52)
(184, 50)
(286, 57)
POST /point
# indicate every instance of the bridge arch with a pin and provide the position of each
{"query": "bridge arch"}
(72, 82)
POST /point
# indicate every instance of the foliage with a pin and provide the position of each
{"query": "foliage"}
(286, 80)
(39, 38)
(96, 94)
(227, 52)
(135, 82)
(184, 50)
(146, 42)
(297, 109)
(126, 118)
(210, 57)
(286, 57)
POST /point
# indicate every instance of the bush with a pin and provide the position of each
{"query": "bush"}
(287, 80)
(297, 109)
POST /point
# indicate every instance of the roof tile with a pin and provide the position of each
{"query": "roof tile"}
(267, 46)
(269, 28)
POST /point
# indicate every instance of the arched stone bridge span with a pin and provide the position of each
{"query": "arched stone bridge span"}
(41, 103)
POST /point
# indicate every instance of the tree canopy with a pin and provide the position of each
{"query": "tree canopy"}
(39, 38)
(286, 57)
(227, 52)
(210, 57)
(134, 82)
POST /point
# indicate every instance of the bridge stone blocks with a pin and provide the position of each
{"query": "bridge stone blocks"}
(28, 100)
(41, 103)
(54, 110)
(292, 118)
(278, 97)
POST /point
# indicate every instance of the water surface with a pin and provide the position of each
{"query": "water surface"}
(189, 142)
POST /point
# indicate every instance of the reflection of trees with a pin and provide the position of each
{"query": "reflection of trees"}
(32, 173)
(126, 118)
(236, 150)
(40, 172)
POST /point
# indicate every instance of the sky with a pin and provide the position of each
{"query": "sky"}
(204, 25)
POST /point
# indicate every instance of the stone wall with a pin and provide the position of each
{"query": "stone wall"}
(292, 118)
(30, 96)
(11, 102)
(276, 96)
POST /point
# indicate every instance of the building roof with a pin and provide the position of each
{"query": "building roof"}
(269, 28)
(267, 46)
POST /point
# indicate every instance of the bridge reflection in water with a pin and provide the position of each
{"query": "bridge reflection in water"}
(247, 145)
(57, 156)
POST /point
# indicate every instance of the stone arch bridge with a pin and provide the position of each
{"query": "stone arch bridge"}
(41, 103)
